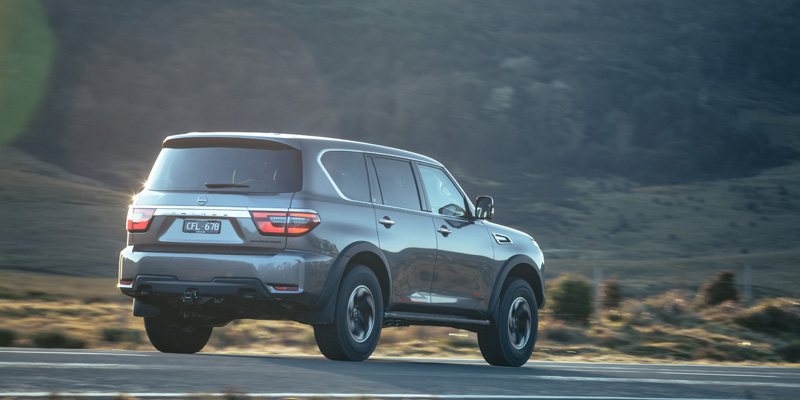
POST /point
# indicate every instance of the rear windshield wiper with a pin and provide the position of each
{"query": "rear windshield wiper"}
(225, 185)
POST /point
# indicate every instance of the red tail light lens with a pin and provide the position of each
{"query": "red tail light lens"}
(285, 224)
(139, 219)
(287, 288)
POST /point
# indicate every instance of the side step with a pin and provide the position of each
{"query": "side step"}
(400, 318)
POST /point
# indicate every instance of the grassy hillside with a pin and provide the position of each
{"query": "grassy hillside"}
(56, 222)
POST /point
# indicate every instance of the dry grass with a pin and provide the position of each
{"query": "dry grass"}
(660, 329)
(665, 327)
(110, 325)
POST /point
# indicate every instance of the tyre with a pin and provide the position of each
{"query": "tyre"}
(174, 335)
(510, 340)
(358, 318)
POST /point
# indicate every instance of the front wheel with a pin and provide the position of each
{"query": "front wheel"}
(509, 342)
(175, 335)
(357, 320)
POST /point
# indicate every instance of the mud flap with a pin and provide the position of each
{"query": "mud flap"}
(145, 310)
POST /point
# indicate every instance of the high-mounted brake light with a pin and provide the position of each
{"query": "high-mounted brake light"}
(139, 219)
(285, 224)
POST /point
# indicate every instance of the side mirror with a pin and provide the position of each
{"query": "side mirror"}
(484, 207)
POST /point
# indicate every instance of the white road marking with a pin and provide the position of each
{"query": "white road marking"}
(341, 395)
(12, 364)
(668, 372)
(74, 353)
(663, 381)
(710, 374)
(579, 364)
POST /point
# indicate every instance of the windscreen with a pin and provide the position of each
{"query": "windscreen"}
(234, 169)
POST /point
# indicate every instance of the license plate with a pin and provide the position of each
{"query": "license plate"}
(201, 226)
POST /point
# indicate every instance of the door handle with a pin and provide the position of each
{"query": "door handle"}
(444, 231)
(386, 222)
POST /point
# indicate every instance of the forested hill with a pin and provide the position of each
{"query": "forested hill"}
(654, 91)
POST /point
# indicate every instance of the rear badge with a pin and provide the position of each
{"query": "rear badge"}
(202, 200)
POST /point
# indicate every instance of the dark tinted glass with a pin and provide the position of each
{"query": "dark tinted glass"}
(348, 171)
(397, 183)
(227, 169)
(374, 188)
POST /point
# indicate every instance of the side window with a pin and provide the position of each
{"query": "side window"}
(398, 187)
(349, 172)
(443, 196)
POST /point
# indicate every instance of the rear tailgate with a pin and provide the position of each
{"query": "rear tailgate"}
(202, 192)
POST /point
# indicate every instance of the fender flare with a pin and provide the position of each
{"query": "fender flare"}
(327, 299)
(503, 275)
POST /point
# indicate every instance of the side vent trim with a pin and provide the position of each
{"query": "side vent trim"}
(501, 239)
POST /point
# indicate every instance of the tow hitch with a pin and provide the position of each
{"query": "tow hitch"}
(190, 297)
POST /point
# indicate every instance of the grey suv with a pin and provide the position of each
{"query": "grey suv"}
(347, 237)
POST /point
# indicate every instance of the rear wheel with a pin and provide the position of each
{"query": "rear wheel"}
(176, 335)
(510, 341)
(357, 320)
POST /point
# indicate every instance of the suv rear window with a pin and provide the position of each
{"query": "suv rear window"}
(219, 168)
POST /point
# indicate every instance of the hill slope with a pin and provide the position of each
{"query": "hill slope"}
(57, 222)
(569, 88)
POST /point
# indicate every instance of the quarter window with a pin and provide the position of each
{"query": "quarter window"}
(398, 186)
(349, 173)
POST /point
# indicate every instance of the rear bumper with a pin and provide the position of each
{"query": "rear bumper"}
(224, 278)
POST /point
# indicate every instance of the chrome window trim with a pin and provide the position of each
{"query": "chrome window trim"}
(404, 209)
(330, 178)
(426, 163)
(363, 152)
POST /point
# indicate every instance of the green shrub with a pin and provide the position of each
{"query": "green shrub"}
(572, 298)
(635, 313)
(772, 316)
(718, 289)
(7, 337)
(612, 293)
(671, 308)
(791, 352)
(117, 335)
(57, 340)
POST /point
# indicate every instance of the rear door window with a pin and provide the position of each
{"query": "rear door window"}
(397, 183)
(270, 169)
(349, 172)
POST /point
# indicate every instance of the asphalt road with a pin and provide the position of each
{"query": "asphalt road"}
(91, 374)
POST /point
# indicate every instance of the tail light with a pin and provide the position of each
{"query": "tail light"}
(285, 223)
(139, 219)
